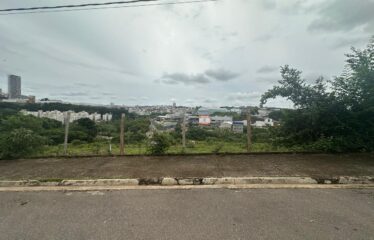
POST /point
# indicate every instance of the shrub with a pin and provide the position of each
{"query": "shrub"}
(20, 143)
(159, 143)
(218, 148)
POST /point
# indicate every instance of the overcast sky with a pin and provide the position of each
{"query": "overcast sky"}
(211, 54)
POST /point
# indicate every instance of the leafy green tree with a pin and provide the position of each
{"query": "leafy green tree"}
(177, 133)
(276, 115)
(336, 115)
(83, 129)
(12, 122)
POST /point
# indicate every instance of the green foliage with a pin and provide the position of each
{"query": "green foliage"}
(83, 129)
(261, 135)
(218, 148)
(135, 129)
(77, 142)
(276, 115)
(50, 129)
(159, 143)
(20, 142)
(208, 134)
(12, 122)
(340, 119)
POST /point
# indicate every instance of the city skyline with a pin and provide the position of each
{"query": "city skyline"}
(194, 54)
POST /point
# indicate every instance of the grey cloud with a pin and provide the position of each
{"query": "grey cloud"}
(87, 85)
(243, 96)
(210, 100)
(187, 79)
(137, 99)
(348, 42)
(268, 4)
(208, 76)
(71, 61)
(221, 74)
(267, 69)
(344, 15)
(95, 98)
(264, 38)
(132, 98)
(267, 79)
(285, 7)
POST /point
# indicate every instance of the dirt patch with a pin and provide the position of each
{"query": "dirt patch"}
(152, 169)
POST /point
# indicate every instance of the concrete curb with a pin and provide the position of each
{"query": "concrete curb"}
(169, 181)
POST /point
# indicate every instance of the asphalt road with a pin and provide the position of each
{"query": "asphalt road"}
(189, 214)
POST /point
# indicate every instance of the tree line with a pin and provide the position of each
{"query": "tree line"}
(334, 115)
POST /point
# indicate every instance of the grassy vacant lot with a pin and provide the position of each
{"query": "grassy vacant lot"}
(198, 147)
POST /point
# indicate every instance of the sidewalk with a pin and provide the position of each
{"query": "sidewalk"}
(197, 166)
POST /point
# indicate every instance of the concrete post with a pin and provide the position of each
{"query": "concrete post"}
(249, 131)
(184, 132)
(67, 121)
(122, 135)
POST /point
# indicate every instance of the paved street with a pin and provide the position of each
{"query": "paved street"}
(189, 214)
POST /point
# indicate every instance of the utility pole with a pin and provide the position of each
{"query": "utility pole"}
(67, 121)
(184, 132)
(249, 131)
(122, 136)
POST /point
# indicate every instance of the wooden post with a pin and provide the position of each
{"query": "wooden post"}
(122, 136)
(249, 131)
(67, 121)
(184, 132)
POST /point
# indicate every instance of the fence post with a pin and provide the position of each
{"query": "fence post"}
(122, 135)
(184, 132)
(67, 121)
(249, 131)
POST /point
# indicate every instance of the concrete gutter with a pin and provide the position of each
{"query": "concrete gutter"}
(169, 181)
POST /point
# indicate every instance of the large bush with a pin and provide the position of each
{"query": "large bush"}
(159, 143)
(336, 115)
(20, 142)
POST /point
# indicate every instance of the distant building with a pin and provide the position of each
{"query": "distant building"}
(47, 100)
(31, 99)
(14, 87)
(238, 127)
(226, 125)
(2, 95)
(263, 112)
(204, 120)
(217, 120)
(268, 122)
(193, 119)
(60, 116)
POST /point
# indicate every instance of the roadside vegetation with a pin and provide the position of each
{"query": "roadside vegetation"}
(330, 116)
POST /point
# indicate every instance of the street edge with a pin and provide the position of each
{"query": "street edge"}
(208, 181)
(183, 187)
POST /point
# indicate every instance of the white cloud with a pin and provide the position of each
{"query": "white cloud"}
(199, 53)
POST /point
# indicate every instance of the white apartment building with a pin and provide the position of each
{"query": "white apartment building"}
(61, 116)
